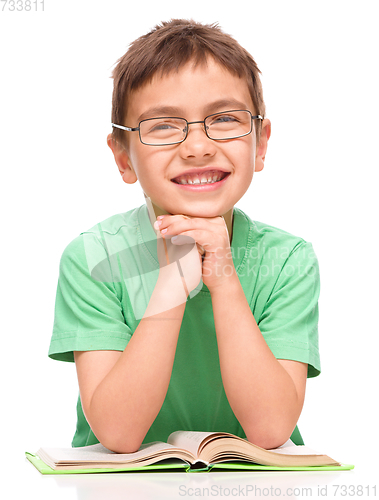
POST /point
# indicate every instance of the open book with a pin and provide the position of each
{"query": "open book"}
(196, 450)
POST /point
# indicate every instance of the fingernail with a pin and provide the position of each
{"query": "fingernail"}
(157, 223)
(164, 230)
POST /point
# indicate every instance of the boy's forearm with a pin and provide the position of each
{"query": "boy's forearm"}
(261, 393)
(126, 402)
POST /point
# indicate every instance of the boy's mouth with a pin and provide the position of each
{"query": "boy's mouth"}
(208, 177)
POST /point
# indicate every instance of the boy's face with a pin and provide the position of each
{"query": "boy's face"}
(192, 93)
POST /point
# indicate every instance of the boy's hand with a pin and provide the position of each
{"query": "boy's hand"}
(180, 265)
(212, 238)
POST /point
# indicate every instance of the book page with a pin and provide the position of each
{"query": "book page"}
(98, 453)
(188, 440)
(287, 443)
(293, 449)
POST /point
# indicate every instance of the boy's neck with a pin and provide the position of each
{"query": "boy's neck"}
(228, 217)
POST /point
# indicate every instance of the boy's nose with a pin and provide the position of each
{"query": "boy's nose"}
(197, 142)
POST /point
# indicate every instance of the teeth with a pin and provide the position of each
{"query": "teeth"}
(209, 179)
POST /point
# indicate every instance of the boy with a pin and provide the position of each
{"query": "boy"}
(199, 319)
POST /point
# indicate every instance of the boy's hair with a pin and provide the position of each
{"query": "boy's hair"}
(168, 47)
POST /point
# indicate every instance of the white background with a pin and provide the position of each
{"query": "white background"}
(319, 72)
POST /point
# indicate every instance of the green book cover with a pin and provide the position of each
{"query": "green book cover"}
(178, 466)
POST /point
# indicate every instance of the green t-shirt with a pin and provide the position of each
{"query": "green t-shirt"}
(107, 275)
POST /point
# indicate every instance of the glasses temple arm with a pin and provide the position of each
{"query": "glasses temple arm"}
(128, 129)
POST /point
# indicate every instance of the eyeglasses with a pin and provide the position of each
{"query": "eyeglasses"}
(168, 130)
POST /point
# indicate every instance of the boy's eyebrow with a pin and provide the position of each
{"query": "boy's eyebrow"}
(159, 111)
(220, 105)
(225, 105)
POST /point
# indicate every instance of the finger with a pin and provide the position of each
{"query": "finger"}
(182, 239)
(201, 249)
(173, 225)
(164, 221)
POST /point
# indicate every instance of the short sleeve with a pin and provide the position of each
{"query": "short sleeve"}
(88, 312)
(289, 320)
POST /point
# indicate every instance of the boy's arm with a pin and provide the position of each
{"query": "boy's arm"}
(265, 394)
(122, 392)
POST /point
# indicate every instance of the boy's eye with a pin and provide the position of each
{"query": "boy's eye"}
(162, 130)
(225, 118)
(223, 121)
(162, 126)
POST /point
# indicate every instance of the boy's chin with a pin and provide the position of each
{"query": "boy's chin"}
(206, 210)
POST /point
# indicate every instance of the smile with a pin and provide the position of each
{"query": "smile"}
(209, 177)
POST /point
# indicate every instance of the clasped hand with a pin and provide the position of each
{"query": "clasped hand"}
(212, 262)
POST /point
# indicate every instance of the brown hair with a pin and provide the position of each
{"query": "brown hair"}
(168, 47)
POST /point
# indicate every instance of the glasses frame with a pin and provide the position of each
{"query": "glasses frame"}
(138, 129)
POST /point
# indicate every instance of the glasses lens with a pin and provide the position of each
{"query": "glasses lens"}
(159, 131)
(229, 125)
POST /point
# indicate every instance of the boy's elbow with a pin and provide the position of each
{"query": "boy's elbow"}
(120, 444)
(268, 440)
(113, 434)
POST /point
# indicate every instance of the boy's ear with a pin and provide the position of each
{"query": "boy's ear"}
(262, 146)
(122, 159)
